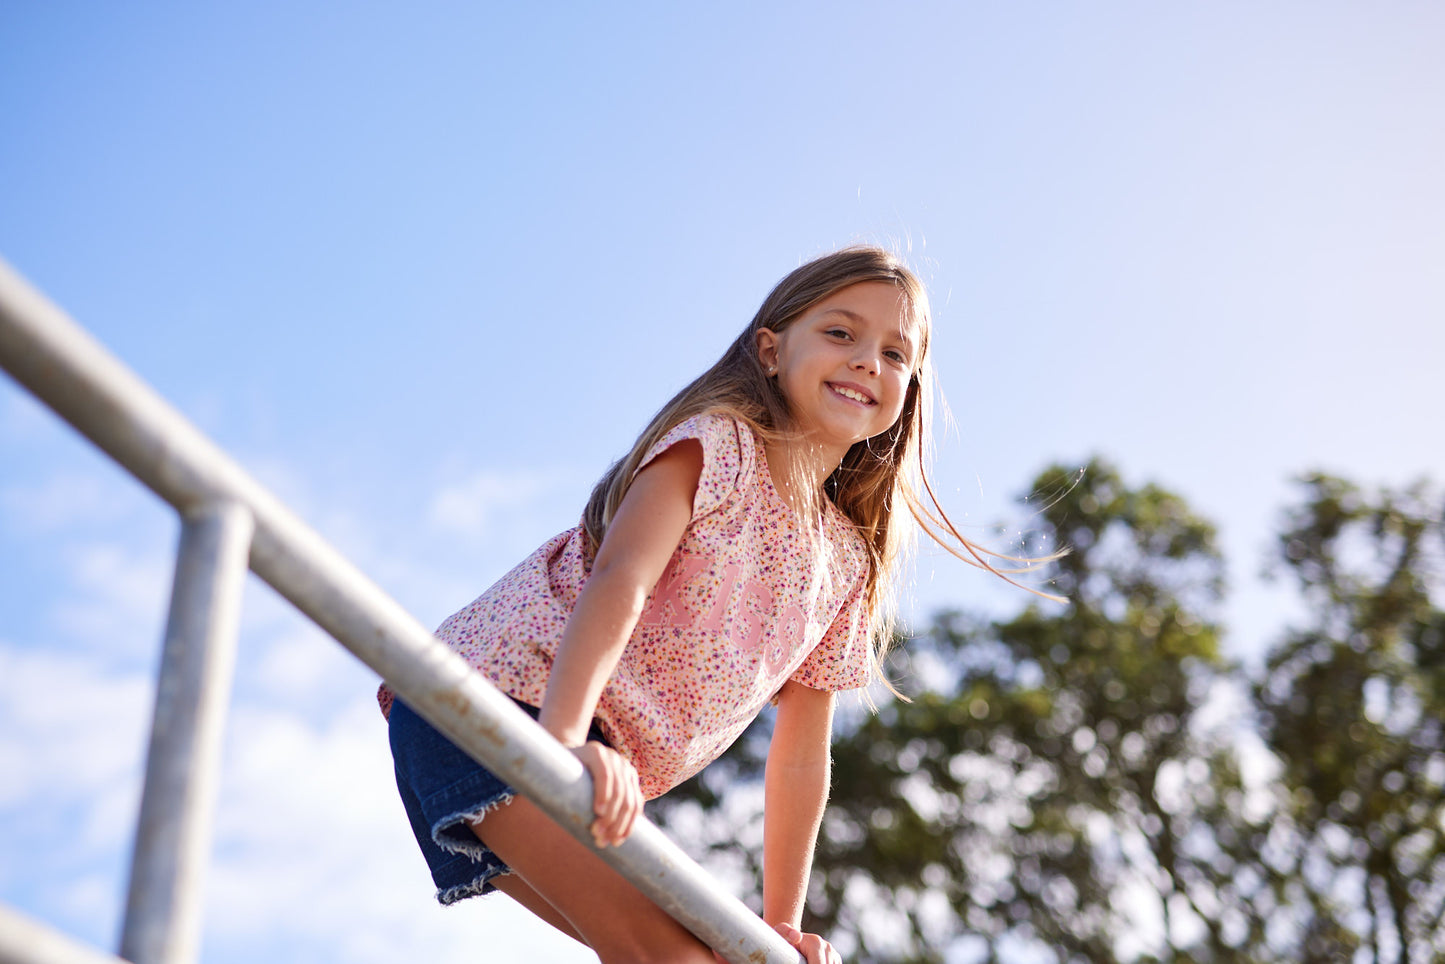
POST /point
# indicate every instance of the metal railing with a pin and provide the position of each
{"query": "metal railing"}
(228, 522)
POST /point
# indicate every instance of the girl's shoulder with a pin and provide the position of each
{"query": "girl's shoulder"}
(726, 440)
(729, 455)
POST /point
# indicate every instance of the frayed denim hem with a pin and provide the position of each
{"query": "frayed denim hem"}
(454, 833)
(470, 866)
(475, 888)
(443, 791)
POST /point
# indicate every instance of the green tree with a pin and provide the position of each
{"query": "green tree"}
(1051, 784)
(1352, 705)
(1059, 789)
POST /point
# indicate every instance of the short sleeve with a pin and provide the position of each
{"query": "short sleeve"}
(727, 448)
(843, 660)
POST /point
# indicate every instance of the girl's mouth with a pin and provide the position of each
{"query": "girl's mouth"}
(852, 394)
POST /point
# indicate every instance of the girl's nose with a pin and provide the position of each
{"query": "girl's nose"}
(866, 359)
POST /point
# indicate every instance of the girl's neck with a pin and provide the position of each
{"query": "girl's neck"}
(799, 471)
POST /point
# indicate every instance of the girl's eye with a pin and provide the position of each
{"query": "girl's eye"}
(836, 333)
(897, 356)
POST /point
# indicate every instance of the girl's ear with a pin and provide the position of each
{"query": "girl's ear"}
(768, 349)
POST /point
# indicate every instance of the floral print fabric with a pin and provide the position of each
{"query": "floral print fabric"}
(749, 600)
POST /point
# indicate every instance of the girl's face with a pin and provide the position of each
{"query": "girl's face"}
(844, 364)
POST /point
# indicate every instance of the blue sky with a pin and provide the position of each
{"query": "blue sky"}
(425, 270)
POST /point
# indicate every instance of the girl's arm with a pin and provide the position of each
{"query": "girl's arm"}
(795, 791)
(641, 539)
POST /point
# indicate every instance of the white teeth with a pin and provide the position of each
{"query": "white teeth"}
(849, 393)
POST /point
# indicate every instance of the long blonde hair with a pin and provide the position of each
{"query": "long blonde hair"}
(875, 476)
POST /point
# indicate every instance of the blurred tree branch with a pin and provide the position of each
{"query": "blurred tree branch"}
(1097, 783)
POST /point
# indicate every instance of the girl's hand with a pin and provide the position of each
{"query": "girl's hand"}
(811, 946)
(616, 793)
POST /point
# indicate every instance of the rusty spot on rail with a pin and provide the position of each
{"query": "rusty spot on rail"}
(456, 699)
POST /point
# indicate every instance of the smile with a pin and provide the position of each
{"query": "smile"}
(856, 396)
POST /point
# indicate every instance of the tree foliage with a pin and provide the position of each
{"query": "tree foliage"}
(1058, 789)
(1095, 782)
(1352, 705)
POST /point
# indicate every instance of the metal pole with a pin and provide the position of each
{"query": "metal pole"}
(27, 941)
(172, 844)
(67, 369)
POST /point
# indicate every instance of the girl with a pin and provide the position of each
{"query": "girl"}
(742, 552)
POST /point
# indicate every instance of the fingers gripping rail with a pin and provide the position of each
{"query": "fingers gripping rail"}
(228, 522)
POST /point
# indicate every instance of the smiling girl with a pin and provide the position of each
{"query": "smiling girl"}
(742, 552)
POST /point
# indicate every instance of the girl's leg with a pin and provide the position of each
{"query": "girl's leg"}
(610, 915)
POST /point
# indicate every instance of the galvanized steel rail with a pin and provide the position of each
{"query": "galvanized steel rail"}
(229, 520)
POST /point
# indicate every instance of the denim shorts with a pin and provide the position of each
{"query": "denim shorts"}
(442, 788)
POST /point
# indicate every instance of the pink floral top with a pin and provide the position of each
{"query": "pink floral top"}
(748, 602)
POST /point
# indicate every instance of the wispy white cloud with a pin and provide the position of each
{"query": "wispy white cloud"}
(118, 593)
(313, 858)
(72, 736)
(314, 854)
(63, 501)
(21, 415)
(66, 728)
(303, 667)
(473, 505)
